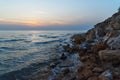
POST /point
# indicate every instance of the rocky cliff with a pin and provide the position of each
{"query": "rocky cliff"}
(98, 52)
(107, 29)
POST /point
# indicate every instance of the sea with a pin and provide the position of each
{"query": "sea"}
(24, 54)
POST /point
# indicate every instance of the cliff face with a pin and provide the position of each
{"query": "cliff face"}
(106, 31)
(98, 53)
(101, 51)
(112, 23)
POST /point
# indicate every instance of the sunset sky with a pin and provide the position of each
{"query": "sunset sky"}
(54, 14)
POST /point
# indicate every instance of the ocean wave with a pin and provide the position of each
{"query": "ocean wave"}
(6, 48)
(26, 41)
(12, 48)
(19, 51)
(25, 73)
(47, 36)
(12, 40)
(47, 42)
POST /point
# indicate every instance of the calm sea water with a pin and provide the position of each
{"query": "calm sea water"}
(20, 49)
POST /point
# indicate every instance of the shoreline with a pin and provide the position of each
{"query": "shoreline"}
(42, 54)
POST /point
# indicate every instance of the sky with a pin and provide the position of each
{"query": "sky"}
(54, 14)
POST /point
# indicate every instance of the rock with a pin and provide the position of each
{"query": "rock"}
(84, 74)
(103, 78)
(100, 46)
(87, 73)
(89, 41)
(116, 74)
(66, 47)
(74, 49)
(65, 71)
(112, 22)
(85, 46)
(93, 78)
(81, 52)
(87, 58)
(52, 65)
(72, 60)
(107, 75)
(116, 21)
(84, 58)
(111, 56)
(90, 35)
(97, 70)
(114, 42)
(108, 35)
(99, 32)
(63, 57)
(78, 38)
(101, 29)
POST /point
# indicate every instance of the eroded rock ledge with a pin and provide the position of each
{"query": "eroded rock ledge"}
(94, 55)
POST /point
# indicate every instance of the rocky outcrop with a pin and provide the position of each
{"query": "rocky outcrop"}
(103, 58)
(101, 29)
(67, 68)
(99, 53)
(111, 23)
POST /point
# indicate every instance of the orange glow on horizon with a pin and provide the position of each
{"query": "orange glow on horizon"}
(36, 23)
(23, 22)
(32, 23)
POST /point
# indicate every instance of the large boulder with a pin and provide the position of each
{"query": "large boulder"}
(90, 34)
(99, 32)
(78, 38)
(114, 42)
(110, 56)
(99, 46)
(106, 75)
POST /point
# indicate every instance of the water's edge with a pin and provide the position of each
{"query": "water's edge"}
(37, 70)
